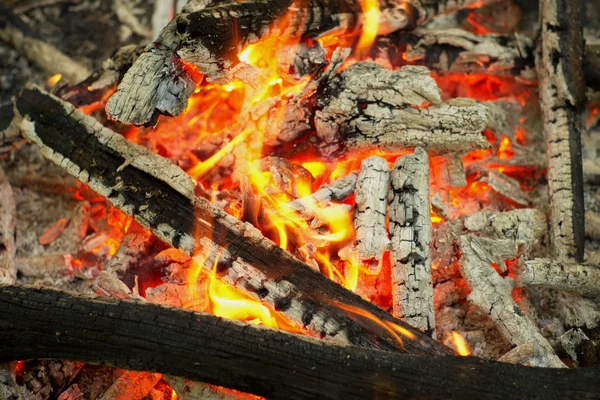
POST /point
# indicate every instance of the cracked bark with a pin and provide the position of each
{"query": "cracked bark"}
(526, 224)
(368, 107)
(232, 354)
(410, 231)
(371, 209)
(159, 195)
(561, 86)
(576, 278)
(492, 293)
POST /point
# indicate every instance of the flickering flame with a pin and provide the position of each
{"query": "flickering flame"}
(505, 151)
(53, 80)
(462, 348)
(371, 14)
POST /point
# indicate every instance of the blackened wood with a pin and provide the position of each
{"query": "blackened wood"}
(45, 323)
(159, 196)
(559, 67)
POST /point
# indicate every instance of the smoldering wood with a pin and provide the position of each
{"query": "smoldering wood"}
(335, 191)
(411, 232)
(212, 36)
(191, 390)
(159, 195)
(576, 278)
(99, 85)
(132, 385)
(525, 225)
(530, 354)
(227, 353)
(458, 50)
(157, 83)
(507, 187)
(14, 31)
(448, 171)
(369, 107)
(370, 195)
(493, 294)
(561, 87)
(8, 216)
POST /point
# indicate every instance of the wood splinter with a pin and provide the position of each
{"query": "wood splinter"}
(410, 230)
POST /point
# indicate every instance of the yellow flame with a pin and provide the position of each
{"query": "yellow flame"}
(54, 79)
(371, 13)
(462, 348)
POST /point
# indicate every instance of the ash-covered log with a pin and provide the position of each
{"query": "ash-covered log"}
(335, 191)
(493, 294)
(576, 278)
(561, 86)
(159, 195)
(370, 107)
(46, 323)
(410, 230)
(371, 209)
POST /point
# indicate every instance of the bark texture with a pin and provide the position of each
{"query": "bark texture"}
(576, 278)
(371, 209)
(160, 197)
(559, 67)
(8, 216)
(410, 230)
(368, 107)
(492, 293)
(44, 323)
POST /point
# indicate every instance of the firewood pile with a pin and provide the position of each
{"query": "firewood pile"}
(299, 199)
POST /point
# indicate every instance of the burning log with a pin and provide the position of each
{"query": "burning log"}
(561, 86)
(203, 347)
(508, 187)
(449, 172)
(335, 191)
(15, 31)
(525, 224)
(131, 386)
(160, 197)
(211, 39)
(576, 278)
(8, 211)
(368, 106)
(371, 209)
(492, 293)
(410, 230)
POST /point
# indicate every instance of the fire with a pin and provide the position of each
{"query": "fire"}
(371, 14)
(505, 151)
(53, 80)
(462, 348)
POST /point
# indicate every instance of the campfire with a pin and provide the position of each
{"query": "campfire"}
(305, 199)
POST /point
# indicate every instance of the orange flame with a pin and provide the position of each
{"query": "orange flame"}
(53, 80)
(371, 14)
(462, 348)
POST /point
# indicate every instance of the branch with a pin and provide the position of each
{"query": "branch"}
(45, 323)
(576, 278)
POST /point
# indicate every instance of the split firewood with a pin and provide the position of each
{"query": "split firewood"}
(8, 216)
(369, 107)
(150, 337)
(492, 293)
(448, 171)
(212, 37)
(14, 31)
(160, 196)
(576, 278)
(370, 196)
(561, 86)
(335, 191)
(507, 187)
(410, 231)
(458, 50)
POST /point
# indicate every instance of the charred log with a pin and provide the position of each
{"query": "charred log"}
(202, 347)
(492, 293)
(160, 197)
(576, 278)
(410, 230)
(559, 67)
